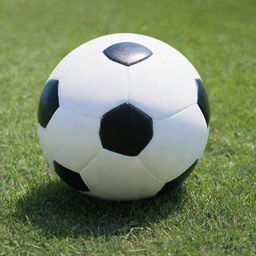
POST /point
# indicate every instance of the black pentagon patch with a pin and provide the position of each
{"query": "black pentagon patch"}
(173, 184)
(72, 178)
(49, 102)
(203, 101)
(126, 130)
(127, 53)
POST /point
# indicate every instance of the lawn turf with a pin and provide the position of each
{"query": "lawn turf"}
(212, 214)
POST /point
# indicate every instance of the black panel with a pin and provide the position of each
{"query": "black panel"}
(203, 101)
(49, 102)
(126, 130)
(127, 53)
(171, 185)
(73, 179)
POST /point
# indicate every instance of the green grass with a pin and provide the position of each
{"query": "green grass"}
(213, 214)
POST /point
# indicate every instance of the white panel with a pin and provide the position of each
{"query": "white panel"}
(43, 142)
(72, 139)
(90, 83)
(118, 177)
(177, 142)
(164, 83)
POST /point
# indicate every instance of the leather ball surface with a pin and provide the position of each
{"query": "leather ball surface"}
(123, 117)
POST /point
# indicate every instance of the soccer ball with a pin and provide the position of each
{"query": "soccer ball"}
(123, 117)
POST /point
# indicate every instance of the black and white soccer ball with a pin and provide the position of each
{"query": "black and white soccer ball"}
(123, 117)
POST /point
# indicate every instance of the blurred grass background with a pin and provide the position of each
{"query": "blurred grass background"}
(214, 214)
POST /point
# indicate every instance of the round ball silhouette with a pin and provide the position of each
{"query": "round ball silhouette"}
(123, 117)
